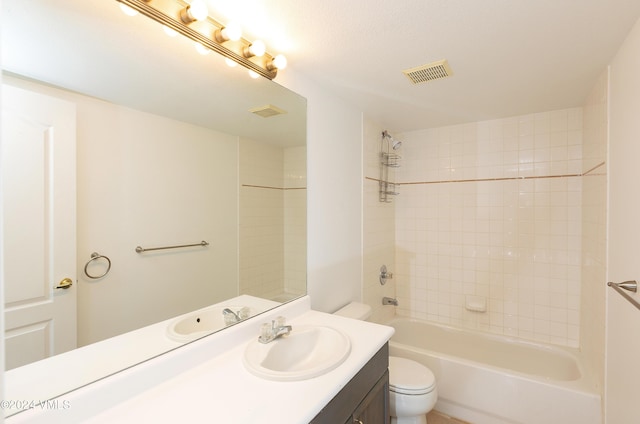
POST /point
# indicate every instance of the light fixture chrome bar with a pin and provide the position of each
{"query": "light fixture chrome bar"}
(148, 249)
(146, 8)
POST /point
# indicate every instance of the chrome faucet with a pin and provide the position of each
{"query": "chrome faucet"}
(231, 317)
(389, 301)
(270, 332)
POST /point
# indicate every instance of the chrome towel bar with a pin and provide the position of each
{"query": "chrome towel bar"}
(148, 249)
(631, 286)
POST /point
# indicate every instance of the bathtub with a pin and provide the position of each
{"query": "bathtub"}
(488, 379)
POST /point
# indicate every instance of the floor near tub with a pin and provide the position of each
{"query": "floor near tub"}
(435, 417)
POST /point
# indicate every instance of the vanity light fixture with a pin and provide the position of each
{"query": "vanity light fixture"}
(196, 11)
(278, 62)
(231, 32)
(191, 20)
(257, 49)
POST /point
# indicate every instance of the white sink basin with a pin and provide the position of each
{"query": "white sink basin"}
(307, 352)
(200, 323)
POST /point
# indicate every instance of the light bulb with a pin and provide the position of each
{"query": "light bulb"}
(230, 63)
(232, 31)
(196, 11)
(128, 10)
(169, 31)
(280, 62)
(253, 74)
(202, 49)
(257, 48)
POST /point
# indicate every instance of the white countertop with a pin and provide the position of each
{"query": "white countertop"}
(64, 372)
(206, 381)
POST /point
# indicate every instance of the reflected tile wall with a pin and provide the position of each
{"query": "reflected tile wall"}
(491, 211)
(272, 220)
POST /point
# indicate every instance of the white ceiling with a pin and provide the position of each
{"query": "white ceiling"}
(509, 57)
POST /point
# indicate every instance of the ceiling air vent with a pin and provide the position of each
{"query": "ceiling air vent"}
(429, 72)
(267, 111)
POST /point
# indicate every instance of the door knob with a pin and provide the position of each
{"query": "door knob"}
(65, 283)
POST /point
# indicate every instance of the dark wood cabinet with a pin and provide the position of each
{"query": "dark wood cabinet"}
(365, 398)
(374, 408)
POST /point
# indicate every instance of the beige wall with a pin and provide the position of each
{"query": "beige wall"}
(177, 185)
(594, 227)
(161, 194)
(623, 319)
(334, 180)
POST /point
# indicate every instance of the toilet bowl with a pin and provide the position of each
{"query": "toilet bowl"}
(412, 386)
(412, 391)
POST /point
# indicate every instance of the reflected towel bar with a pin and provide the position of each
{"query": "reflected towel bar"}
(148, 249)
(631, 285)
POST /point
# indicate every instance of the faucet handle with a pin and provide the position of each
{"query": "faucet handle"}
(244, 312)
(280, 321)
(266, 332)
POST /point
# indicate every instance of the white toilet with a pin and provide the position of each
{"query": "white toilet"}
(412, 386)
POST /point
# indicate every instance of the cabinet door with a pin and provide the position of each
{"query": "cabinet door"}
(374, 408)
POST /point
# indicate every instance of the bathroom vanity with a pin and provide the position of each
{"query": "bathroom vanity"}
(365, 399)
(206, 381)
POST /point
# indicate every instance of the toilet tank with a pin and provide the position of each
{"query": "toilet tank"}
(355, 310)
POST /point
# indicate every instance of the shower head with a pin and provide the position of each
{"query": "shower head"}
(395, 144)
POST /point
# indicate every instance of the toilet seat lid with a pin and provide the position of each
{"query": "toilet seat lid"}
(409, 377)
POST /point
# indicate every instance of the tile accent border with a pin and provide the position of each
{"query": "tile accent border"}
(590, 172)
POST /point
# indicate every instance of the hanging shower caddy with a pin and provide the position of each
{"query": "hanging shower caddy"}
(388, 159)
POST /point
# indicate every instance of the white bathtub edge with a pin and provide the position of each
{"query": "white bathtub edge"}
(486, 395)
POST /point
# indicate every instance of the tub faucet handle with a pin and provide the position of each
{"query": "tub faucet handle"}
(384, 274)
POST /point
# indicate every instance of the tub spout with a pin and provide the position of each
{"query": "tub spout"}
(389, 301)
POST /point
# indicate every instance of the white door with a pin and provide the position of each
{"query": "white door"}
(622, 393)
(39, 236)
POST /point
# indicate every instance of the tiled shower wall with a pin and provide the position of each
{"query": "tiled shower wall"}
(272, 220)
(295, 220)
(489, 217)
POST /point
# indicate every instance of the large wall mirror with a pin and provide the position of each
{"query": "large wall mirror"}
(164, 152)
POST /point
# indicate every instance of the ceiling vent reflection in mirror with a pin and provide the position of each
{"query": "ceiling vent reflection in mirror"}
(193, 21)
(267, 111)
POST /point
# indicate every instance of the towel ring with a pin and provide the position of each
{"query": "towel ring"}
(94, 257)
